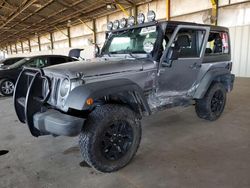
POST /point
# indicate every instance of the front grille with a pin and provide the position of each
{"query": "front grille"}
(55, 84)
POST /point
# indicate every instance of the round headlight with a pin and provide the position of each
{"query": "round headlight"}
(123, 23)
(110, 26)
(131, 21)
(116, 24)
(65, 87)
(141, 18)
(151, 16)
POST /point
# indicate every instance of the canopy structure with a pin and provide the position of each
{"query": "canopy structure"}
(22, 19)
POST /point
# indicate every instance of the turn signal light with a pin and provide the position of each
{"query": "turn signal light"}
(90, 101)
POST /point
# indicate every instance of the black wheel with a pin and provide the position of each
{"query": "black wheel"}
(212, 105)
(110, 138)
(7, 87)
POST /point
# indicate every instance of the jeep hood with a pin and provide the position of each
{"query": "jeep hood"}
(95, 68)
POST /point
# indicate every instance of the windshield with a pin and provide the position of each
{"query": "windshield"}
(135, 41)
(19, 63)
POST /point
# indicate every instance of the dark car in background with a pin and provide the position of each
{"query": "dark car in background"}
(9, 61)
(9, 74)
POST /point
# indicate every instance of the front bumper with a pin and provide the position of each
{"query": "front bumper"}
(57, 123)
(32, 108)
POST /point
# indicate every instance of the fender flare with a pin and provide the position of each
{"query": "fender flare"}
(78, 96)
(221, 75)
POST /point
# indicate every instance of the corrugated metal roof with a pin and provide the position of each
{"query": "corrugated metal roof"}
(21, 19)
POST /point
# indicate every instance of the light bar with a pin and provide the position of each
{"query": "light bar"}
(131, 21)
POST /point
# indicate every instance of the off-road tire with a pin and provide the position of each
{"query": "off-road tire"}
(203, 106)
(96, 124)
(2, 83)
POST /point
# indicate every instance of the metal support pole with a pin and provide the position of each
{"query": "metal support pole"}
(51, 41)
(168, 7)
(94, 32)
(69, 36)
(217, 12)
(11, 51)
(22, 47)
(215, 6)
(39, 43)
(29, 45)
(135, 11)
(16, 48)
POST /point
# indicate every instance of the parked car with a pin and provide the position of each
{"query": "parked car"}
(9, 61)
(142, 69)
(9, 74)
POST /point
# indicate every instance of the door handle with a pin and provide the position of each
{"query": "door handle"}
(195, 66)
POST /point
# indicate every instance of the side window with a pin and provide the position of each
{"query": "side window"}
(38, 63)
(57, 60)
(9, 62)
(189, 42)
(70, 59)
(218, 44)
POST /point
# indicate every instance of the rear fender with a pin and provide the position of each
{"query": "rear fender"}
(220, 75)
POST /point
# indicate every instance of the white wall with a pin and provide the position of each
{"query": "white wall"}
(240, 39)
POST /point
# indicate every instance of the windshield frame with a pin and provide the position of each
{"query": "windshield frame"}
(111, 34)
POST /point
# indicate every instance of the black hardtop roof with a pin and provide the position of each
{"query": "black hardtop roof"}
(172, 23)
(213, 27)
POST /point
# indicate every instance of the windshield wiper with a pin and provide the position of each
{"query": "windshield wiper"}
(129, 52)
(132, 55)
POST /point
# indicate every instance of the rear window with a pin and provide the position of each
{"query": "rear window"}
(57, 60)
(218, 44)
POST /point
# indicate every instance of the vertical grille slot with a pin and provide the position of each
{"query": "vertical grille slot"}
(56, 87)
(55, 84)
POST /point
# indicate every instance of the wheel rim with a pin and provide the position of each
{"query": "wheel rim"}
(217, 102)
(8, 87)
(116, 140)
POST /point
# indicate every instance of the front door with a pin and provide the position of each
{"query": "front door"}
(181, 62)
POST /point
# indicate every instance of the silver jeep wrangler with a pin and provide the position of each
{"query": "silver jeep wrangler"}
(140, 70)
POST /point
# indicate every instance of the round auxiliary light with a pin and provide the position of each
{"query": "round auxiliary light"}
(116, 24)
(131, 21)
(123, 23)
(110, 26)
(151, 16)
(141, 18)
